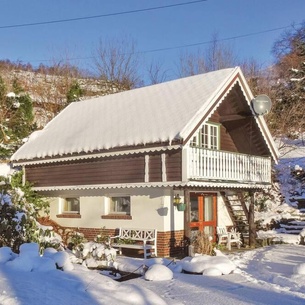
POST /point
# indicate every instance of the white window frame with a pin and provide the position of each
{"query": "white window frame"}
(66, 202)
(113, 208)
(208, 136)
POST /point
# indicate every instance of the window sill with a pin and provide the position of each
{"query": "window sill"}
(67, 215)
(114, 216)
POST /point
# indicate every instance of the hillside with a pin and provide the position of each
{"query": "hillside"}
(283, 210)
(48, 88)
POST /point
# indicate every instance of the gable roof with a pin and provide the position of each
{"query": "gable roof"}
(160, 113)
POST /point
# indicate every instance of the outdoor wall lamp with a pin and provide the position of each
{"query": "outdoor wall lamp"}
(178, 204)
(177, 199)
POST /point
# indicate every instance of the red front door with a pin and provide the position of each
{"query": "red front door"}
(203, 213)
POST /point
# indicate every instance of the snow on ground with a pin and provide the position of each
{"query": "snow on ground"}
(293, 157)
(268, 275)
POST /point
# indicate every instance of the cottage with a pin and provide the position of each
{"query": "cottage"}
(126, 160)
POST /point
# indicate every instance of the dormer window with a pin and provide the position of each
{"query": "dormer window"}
(206, 137)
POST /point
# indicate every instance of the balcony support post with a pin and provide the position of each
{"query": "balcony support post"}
(252, 228)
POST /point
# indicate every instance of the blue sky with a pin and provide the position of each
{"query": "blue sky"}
(156, 29)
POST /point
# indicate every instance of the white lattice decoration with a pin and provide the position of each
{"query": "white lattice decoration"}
(148, 237)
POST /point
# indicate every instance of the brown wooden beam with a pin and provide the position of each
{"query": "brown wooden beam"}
(234, 117)
(252, 228)
(187, 213)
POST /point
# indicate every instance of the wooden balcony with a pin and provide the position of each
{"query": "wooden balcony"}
(207, 164)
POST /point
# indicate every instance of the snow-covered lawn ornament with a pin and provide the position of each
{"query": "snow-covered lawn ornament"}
(158, 273)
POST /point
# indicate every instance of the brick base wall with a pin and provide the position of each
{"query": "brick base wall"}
(169, 244)
(91, 233)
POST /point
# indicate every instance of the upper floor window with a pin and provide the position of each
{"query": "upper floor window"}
(120, 205)
(207, 137)
(71, 205)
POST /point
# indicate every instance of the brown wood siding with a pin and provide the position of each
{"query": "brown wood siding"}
(242, 133)
(174, 166)
(126, 169)
(155, 168)
(110, 170)
(226, 142)
(173, 162)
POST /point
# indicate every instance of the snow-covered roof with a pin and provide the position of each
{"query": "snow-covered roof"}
(159, 113)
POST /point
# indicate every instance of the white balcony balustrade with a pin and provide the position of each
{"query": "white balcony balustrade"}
(208, 164)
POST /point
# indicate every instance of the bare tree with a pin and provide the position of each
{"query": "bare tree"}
(191, 64)
(217, 56)
(156, 73)
(257, 77)
(49, 87)
(117, 61)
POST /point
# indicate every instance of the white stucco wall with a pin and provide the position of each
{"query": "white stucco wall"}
(150, 208)
(223, 217)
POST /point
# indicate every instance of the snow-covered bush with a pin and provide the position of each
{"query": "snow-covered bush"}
(207, 264)
(19, 210)
(76, 242)
(30, 259)
(158, 272)
(95, 253)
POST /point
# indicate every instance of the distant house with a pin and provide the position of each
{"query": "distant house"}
(122, 160)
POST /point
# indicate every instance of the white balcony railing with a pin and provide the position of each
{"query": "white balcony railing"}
(227, 166)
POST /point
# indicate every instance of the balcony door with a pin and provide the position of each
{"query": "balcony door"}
(203, 213)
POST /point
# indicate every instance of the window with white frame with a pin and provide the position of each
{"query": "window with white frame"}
(206, 137)
(120, 205)
(71, 205)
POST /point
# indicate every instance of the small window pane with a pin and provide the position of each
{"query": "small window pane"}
(204, 136)
(120, 205)
(208, 208)
(214, 137)
(194, 210)
(71, 205)
(207, 137)
(208, 230)
(194, 141)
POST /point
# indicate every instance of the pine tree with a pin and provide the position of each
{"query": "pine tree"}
(74, 93)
